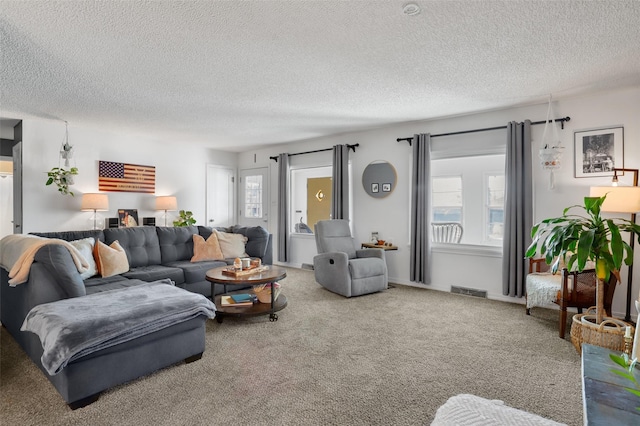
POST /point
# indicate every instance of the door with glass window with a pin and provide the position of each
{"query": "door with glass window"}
(254, 197)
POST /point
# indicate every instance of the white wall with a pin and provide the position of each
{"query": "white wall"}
(391, 218)
(180, 171)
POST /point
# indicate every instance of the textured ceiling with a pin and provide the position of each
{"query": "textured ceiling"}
(237, 74)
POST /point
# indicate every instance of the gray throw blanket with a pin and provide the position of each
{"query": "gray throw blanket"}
(72, 328)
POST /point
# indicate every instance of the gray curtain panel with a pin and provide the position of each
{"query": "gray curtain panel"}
(340, 183)
(283, 208)
(421, 209)
(518, 208)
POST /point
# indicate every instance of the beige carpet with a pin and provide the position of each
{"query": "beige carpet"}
(390, 358)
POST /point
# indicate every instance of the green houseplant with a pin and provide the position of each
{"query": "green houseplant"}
(578, 238)
(185, 219)
(63, 178)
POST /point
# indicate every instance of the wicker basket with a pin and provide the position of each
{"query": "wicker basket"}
(263, 291)
(609, 334)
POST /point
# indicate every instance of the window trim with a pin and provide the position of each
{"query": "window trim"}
(486, 217)
(467, 249)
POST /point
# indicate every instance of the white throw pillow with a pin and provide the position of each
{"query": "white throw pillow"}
(232, 245)
(85, 247)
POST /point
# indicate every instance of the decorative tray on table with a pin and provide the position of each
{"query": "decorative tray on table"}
(231, 271)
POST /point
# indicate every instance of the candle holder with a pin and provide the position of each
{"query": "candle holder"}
(628, 344)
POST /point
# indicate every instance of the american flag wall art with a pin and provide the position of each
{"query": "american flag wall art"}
(123, 177)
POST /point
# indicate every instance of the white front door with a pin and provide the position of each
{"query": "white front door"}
(254, 197)
(221, 199)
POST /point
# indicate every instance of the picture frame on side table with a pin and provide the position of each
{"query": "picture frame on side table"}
(127, 218)
(598, 152)
(374, 187)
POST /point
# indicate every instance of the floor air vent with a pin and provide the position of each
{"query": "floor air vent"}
(469, 291)
(307, 266)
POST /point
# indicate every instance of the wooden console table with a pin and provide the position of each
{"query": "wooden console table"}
(605, 400)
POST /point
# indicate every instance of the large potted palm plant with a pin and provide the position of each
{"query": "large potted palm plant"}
(577, 239)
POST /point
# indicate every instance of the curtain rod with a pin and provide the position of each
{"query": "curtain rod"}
(353, 147)
(561, 120)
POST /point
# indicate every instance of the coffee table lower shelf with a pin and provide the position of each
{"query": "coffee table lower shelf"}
(248, 311)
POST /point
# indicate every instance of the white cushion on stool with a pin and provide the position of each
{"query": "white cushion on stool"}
(542, 288)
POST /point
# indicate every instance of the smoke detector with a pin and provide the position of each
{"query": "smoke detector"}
(411, 9)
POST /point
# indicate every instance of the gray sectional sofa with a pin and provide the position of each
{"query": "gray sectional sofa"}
(154, 253)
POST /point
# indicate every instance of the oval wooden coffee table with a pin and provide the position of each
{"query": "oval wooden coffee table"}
(271, 275)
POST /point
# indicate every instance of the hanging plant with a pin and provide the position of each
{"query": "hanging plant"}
(552, 149)
(66, 152)
(63, 178)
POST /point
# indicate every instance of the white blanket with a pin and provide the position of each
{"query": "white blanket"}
(17, 252)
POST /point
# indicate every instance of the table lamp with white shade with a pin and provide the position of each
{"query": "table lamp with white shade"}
(94, 202)
(166, 203)
(622, 199)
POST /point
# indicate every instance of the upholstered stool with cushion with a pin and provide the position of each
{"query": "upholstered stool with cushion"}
(567, 289)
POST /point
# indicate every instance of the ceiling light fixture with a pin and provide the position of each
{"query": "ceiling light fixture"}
(411, 9)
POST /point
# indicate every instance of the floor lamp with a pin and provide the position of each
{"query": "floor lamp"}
(622, 199)
(166, 203)
(96, 203)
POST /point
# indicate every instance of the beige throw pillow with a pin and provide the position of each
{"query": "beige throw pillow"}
(206, 250)
(85, 248)
(232, 245)
(111, 260)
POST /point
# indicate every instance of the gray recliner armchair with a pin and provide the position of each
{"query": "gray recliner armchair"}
(341, 268)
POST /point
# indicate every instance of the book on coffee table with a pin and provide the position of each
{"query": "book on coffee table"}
(229, 302)
(243, 297)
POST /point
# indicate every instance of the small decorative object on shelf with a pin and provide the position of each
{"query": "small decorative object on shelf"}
(237, 264)
(263, 291)
(233, 272)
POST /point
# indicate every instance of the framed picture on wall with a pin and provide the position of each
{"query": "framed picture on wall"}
(597, 152)
(127, 218)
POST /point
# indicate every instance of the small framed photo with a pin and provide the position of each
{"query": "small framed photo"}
(598, 152)
(374, 187)
(386, 187)
(127, 218)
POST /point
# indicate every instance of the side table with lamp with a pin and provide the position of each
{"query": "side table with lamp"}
(381, 244)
